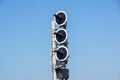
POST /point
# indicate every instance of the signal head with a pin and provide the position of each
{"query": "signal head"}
(62, 53)
(61, 35)
(60, 18)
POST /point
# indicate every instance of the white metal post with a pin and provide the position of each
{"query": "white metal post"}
(54, 75)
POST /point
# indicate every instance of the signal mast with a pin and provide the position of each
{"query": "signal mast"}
(59, 47)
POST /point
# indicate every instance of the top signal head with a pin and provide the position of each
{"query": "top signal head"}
(60, 18)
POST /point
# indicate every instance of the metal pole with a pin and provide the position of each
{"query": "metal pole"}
(54, 76)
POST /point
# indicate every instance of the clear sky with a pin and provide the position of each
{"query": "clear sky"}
(25, 39)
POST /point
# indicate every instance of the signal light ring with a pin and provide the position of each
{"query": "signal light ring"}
(64, 20)
(61, 29)
(66, 53)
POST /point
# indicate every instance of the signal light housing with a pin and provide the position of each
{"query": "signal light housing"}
(60, 18)
(61, 35)
(61, 53)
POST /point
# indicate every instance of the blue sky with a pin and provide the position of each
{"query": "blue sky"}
(25, 39)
